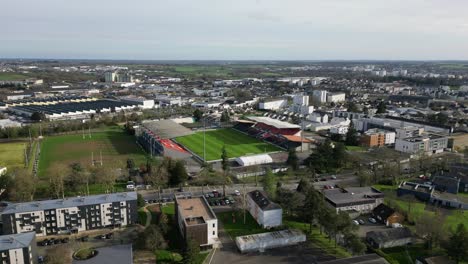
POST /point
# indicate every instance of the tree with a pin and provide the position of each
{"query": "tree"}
(289, 200)
(293, 160)
(192, 249)
(364, 178)
(457, 246)
(354, 243)
(352, 107)
(77, 178)
(38, 116)
(130, 164)
(178, 174)
(303, 186)
(57, 180)
(140, 201)
(24, 185)
(225, 167)
(310, 208)
(153, 238)
(225, 116)
(269, 184)
(430, 228)
(351, 136)
(381, 108)
(197, 115)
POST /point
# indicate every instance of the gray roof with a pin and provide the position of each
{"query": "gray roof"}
(389, 234)
(120, 254)
(261, 199)
(22, 240)
(365, 259)
(69, 202)
(352, 196)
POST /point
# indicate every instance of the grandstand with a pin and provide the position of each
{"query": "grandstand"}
(280, 133)
(72, 110)
(155, 137)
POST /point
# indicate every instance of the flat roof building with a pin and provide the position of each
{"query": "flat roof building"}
(358, 199)
(18, 248)
(267, 213)
(197, 221)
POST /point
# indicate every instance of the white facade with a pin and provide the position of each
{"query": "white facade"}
(266, 217)
(273, 105)
(340, 130)
(336, 97)
(320, 96)
(254, 160)
(260, 242)
(427, 144)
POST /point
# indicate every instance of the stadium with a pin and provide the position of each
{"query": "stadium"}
(256, 135)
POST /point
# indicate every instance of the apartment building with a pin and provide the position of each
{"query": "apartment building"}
(273, 104)
(377, 138)
(71, 215)
(427, 143)
(197, 221)
(336, 97)
(18, 248)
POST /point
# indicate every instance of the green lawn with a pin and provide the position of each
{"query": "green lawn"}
(356, 148)
(11, 76)
(168, 209)
(237, 144)
(12, 155)
(115, 145)
(318, 240)
(234, 225)
(142, 216)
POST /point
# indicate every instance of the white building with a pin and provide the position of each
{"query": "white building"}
(273, 104)
(263, 241)
(336, 97)
(71, 215)
(18, 248)
(267, 213)
(254, 160)
(320, 96)
(142, 102)
(426, 143)
(340, 130)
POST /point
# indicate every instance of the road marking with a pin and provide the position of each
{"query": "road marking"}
(212, 255)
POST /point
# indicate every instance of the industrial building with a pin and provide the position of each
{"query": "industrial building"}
(426, 143)
(254, 160)
(263, 241)
(267, 213)
(197, 221)
(273, 104)
(354, 200)
(71, 215)
(18, 248)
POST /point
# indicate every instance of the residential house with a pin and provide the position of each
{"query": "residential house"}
(392, 237)
(387, 215)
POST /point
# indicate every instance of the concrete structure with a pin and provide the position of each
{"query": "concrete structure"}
(427, 143)
(336, 97)
(18, 248)
(263, 241)
(115, 77)
(320, 96)
(141, 102)
(392, 237)
(377, 138)
(254, 160)
(408, 132)
(267, 213)
(196, 220)
(353, 199)
(420, 191)
(449, 200)
(273, 104)
(71, 215)
(340, 130)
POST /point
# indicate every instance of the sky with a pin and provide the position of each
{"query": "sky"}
(235, 29)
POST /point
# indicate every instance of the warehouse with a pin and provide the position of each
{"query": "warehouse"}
(261, 242)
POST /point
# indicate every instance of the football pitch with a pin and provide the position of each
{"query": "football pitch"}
(237, 144)
(12, 155)
(115, 146)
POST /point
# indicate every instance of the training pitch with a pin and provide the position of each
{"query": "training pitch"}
(12, 155)
(237, 144)
(115, 145)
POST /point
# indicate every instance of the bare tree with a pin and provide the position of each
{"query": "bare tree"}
(59, 255)
(24, 185)
(58, 173)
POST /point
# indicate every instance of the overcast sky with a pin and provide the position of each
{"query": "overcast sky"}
(235, 29)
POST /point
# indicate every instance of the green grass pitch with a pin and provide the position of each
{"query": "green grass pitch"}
(115, 145)
(237, 144)
(12, 155)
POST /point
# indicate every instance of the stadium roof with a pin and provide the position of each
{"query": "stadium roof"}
(167, 128)
(297, 139)
(273, 122)
(69, 202)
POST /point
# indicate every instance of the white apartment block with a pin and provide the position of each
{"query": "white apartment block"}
(70, 215)
(336, 97)
(273, 105)
(428, 143)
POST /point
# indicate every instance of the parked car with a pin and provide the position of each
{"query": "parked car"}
(237, 193)
(64, 240)
(109, 236)
(227, 201)
(361, 221)
(355, 222)
(396, 225)
(223, 202)
(372, 220)
(333, 177)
